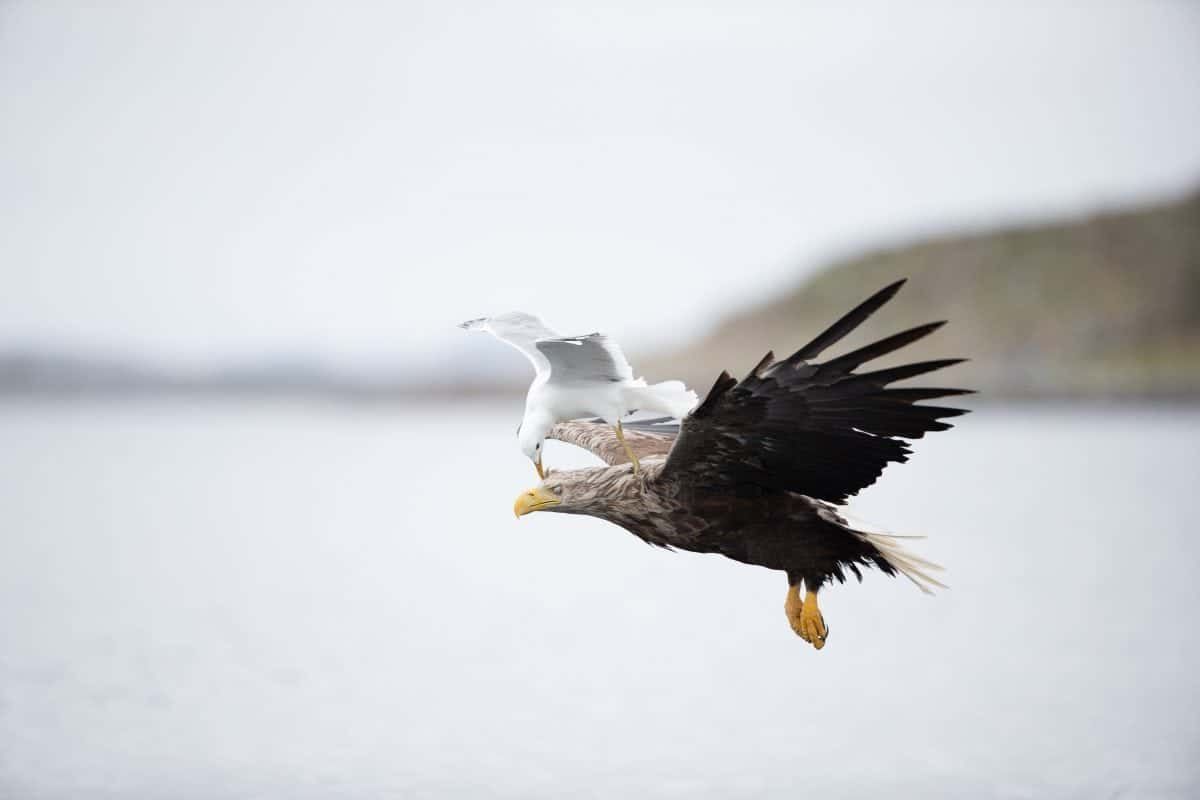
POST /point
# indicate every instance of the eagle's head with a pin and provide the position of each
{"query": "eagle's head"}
(578, 491)
(539, 498)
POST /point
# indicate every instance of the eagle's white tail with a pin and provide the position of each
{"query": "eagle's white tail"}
(672, 398)
(908, 564)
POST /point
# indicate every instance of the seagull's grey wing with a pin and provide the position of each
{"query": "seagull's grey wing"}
(516, 329)
(594, 358)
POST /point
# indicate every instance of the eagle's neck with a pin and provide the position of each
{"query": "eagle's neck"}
(641, 505)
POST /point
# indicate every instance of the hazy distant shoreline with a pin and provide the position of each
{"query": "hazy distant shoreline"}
(1105, 308)
(1100, 307)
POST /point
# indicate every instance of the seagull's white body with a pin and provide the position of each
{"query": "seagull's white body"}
(547, 403)
(577, 376)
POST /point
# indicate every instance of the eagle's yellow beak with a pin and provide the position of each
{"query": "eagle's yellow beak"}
(536, 499)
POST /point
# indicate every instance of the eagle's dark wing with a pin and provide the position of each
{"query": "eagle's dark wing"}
(822, 430)
(647, 438)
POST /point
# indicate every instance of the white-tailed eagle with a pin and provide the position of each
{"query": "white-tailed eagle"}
(757, 471)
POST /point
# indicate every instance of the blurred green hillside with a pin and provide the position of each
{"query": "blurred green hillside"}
(1105, 307)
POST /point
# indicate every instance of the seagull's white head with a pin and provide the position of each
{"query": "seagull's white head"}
(531, 437)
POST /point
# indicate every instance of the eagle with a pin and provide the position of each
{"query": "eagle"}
(758, 471)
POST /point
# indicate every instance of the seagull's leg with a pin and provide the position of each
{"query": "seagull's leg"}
(637, 468)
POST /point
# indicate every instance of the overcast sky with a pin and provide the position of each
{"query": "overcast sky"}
(199, 182)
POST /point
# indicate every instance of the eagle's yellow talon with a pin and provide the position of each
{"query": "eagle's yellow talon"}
(793, 607)
(805, 617)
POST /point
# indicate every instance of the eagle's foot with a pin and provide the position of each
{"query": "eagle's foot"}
(805, 617)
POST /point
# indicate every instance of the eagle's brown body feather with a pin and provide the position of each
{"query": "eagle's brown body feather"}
(778, 530)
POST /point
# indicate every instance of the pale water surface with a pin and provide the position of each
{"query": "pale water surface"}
(306, 601)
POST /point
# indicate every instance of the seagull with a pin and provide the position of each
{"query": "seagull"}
(576, 377)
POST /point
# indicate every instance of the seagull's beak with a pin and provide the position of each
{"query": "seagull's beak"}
(536, 499)
(473, 324)
(541, 470)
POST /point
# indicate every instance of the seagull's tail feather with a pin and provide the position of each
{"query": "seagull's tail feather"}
(669, 397)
